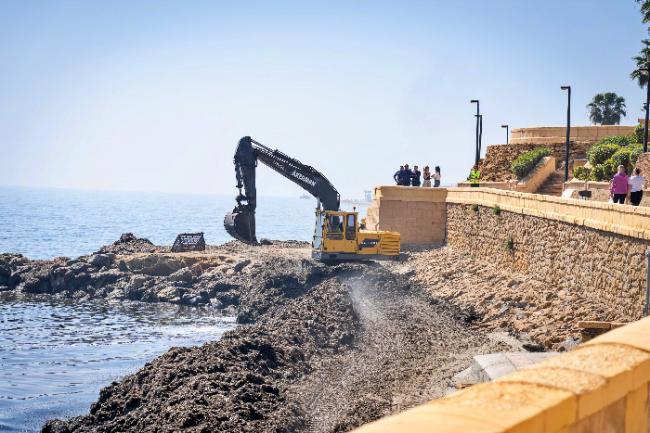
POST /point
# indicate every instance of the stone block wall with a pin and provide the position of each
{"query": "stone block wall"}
(600, 387)
(495, 167)
(570, 257)
(557, 134)
(418, 214)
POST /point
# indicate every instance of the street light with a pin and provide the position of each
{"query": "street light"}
(480, 135)
(478, 113)
(647, 103)
(507, 134)
(568, 132)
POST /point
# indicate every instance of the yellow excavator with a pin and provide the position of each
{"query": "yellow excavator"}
(337, 234)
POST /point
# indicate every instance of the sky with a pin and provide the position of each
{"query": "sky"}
(154, 95)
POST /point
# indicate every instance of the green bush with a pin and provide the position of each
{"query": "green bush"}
(601, 152)
(582, 173)
(621, 140)
(474, 207)
(638, 133)
(604, 171)
(496, 210)
(525, 162)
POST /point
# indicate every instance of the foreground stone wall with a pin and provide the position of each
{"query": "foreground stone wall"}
(563, 255)
(600, 387)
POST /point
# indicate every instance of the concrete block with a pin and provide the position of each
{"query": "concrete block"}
(636, 410)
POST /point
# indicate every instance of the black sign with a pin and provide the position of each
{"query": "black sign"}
(189, 242)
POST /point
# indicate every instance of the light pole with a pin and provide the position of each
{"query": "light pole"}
(478, 113)
(480, 135)
(507, 134)
(568, 132)
(647, 103)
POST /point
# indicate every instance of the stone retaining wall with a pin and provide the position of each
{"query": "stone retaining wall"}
(557, 134)
(495, 167)
(566, 256)
(600, 387)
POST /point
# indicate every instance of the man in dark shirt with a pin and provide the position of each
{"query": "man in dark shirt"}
(398, 175)
(415, 176)
(406, 176)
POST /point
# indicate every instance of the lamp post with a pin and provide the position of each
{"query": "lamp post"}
(647, 103)
(478, 113)
(507, 134)
(568, 132)
(480, 135)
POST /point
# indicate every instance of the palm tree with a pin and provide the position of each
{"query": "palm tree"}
(640, 74)
(607, 108)
(645, 9)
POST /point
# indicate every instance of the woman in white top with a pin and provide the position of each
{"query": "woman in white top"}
(436, 177)
(636, 182)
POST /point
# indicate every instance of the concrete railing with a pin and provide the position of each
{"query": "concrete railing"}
(600, 387)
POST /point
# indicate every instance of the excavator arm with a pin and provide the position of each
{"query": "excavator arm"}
(240, 223)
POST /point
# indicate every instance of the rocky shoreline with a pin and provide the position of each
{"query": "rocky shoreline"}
(319, 348)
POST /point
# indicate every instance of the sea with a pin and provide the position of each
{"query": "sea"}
(56, 356)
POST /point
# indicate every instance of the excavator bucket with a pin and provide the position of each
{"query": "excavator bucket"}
(240, 224)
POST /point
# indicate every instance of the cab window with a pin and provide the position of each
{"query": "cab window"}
(334, 227)
(351, 227)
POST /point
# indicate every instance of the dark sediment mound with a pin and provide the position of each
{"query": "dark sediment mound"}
(240, 383)
(128, 243)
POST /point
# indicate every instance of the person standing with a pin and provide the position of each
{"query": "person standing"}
(436, 177)
(426, 175)
(636, 184)
(618, 186)
(399, 174)
(407, 174)
(415, 177)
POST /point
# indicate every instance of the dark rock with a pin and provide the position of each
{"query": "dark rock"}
(181, 276)
(241, 265)
(102, 260)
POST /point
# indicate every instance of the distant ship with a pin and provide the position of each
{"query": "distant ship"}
(304, 196)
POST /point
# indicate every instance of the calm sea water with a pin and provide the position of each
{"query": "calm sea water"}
(45, 223)
(55, 357)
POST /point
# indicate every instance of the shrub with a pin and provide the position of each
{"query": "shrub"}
(638, 133)
(525, 162)
(601, 152)
(510, 244)
(474, 207)
(496, 210)
(582, 173)
(604, 171)
(621, 140)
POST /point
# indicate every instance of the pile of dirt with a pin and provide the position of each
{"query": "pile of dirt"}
(323, 348)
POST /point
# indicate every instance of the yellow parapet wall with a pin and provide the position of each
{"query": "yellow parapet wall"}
(420, 214)
(624, 220)
(600, 387)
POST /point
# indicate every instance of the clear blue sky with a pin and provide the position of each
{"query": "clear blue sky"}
(153, 95)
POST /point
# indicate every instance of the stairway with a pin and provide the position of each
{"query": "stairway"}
(554, 184)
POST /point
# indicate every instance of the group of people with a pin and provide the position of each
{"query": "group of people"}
(407, 177)
(621, 185)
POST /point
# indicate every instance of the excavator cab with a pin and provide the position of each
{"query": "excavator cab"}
(337, 237)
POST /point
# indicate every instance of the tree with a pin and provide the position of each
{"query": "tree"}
(645, 9)
(640, 74)
(607, 108)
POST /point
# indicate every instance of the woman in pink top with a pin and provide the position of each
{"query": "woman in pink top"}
(618, 186)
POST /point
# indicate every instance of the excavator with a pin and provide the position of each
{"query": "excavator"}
(337, 234)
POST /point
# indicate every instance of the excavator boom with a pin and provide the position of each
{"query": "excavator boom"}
(240, 223)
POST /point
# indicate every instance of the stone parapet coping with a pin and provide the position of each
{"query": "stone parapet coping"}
(601, 386)
(615, 218)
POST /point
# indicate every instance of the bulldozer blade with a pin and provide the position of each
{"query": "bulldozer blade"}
(240, 224)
